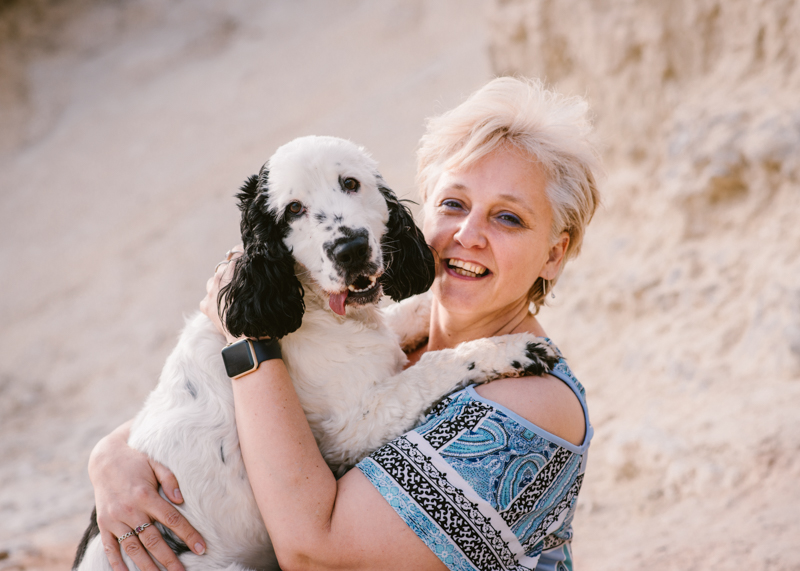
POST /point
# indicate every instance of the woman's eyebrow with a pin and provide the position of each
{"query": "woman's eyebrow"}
(516, 200)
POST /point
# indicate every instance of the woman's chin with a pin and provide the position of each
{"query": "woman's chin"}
(456, 298)
(476, 298)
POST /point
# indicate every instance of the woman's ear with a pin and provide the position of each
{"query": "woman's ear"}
(556, 257)
(408, 260)
(264, 298)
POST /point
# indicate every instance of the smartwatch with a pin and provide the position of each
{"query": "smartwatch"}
(246, 355)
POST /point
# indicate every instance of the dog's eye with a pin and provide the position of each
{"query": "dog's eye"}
(349, 184)
(295, 208)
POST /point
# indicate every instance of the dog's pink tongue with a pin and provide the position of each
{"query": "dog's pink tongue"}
(336, 301)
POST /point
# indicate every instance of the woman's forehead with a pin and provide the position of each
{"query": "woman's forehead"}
(500, 172)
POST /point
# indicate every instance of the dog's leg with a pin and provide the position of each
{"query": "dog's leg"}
(400, 402)
(410, 319)
(93, 557)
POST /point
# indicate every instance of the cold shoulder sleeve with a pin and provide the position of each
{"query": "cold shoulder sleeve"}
(483, 487)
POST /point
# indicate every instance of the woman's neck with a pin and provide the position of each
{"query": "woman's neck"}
(448, 329)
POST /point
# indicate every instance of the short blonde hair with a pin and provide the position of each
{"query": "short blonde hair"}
(549, 128)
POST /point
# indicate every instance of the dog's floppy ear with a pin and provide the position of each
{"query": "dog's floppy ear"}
(409, 262)
(264, 298)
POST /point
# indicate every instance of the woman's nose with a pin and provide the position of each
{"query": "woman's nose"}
(471, 233)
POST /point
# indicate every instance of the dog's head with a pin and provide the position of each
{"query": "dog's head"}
(320, 214)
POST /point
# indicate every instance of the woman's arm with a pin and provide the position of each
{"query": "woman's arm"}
(126, 486)
(314, 521)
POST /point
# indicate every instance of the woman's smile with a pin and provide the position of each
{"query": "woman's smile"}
(466, 269)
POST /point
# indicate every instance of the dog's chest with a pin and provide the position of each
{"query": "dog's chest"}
(334, 363)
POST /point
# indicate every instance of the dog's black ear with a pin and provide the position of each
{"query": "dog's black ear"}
(410, 266)
(249, 191)
(264, 298)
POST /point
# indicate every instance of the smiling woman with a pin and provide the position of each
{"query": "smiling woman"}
(490, 478)
(549, 135)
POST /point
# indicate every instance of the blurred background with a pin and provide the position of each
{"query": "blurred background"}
(126, 126)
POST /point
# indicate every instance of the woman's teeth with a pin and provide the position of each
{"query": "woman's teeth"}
(467, 269)
(354, 289)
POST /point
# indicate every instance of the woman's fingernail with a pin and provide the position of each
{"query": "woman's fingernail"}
(199, 548)
(177, 493)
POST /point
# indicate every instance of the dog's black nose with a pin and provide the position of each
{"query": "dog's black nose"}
(354, 251)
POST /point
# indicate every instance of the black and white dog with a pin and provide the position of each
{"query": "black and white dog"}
(323, 238)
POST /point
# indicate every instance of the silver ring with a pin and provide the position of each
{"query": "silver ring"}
(221, 263)
(140, 528)
(122, 538)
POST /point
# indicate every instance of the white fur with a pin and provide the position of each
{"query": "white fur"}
(347, 370)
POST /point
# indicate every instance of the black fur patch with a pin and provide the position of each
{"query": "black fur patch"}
(90, 533)
(542, 361)
(264, 297)
(410, 266)
(173, 541)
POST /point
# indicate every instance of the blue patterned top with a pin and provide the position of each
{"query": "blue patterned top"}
(484, 488)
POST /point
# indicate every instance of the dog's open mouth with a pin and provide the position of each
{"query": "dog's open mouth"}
(364, 289)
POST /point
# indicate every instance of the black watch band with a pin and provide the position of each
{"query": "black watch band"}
(246, 355)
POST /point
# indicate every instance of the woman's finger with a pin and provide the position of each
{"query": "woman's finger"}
(128, 542)
(167, 481)
(170, 517)
(154, 543)
(223, 273)
(134, 549)
(111, 548)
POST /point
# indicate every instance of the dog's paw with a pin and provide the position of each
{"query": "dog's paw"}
(542, 357)
(516, 355)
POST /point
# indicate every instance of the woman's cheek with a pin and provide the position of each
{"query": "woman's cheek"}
(437, 228)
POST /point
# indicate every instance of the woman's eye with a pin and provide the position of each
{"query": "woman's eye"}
(451, 204)
(349, 184)
(295, 208)
(510, 219)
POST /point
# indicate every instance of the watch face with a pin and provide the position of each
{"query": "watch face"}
(238, 359)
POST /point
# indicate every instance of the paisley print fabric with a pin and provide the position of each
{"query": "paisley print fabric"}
(484, 488)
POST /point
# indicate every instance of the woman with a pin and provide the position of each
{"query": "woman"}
(490, 480)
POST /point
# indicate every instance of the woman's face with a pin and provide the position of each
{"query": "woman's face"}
(490, 225)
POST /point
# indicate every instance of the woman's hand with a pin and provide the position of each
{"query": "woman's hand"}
(126, 495)
(222, 275)
(126, 481)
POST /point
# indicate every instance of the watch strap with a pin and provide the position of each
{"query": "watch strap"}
(266, 349)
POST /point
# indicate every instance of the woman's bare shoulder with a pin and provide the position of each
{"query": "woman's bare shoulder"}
(545, 401)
